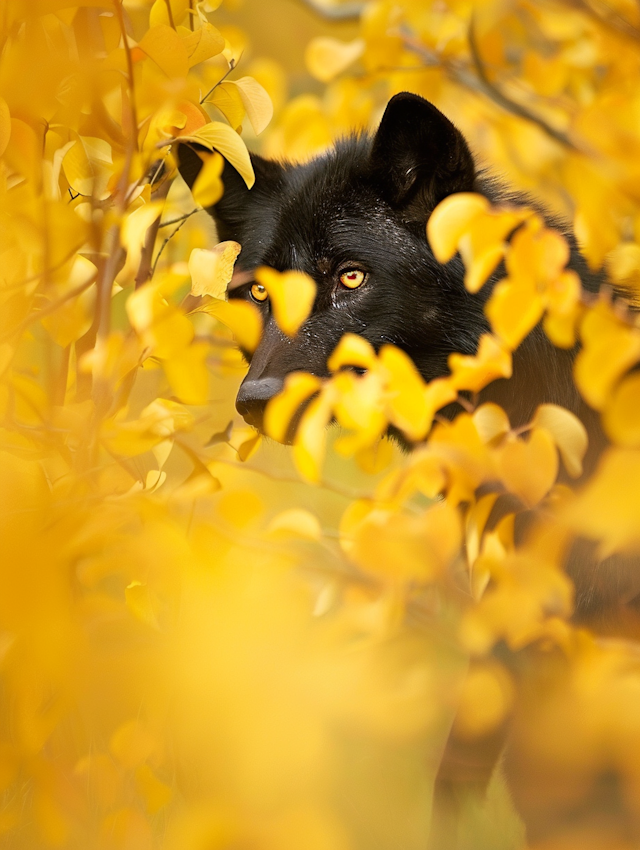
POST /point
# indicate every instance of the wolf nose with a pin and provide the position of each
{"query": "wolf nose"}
(253, 396)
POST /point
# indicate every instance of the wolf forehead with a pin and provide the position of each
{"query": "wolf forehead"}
(311, 218)
(297, 216)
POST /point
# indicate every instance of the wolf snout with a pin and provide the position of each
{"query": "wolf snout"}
(253, 396)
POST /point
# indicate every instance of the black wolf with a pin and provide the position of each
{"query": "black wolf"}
(354, 220)
(363, 207)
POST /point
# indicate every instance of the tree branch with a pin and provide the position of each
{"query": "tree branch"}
(505, 102)
(477, 80)
(147, 266)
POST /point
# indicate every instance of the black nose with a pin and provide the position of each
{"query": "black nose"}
(253, 397)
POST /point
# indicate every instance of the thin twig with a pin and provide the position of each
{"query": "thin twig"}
(146, 269)
(501, 99)
(606, 16)
(232, 65)
(157, 172)
(191, 15)
(164, 245)
(180, 217)
(127, 50)
(479, 82)
(167, 3)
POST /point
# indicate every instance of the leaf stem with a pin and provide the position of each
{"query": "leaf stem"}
(232, 65)
(167, 3)
(164, 245)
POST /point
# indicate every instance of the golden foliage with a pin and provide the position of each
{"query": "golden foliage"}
(187, 640)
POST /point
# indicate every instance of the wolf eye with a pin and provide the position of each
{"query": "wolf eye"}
(352, 278)
(258, 292)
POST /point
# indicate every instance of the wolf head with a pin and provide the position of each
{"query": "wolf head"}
(356, 215)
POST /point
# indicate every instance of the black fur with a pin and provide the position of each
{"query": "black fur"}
(366, 204)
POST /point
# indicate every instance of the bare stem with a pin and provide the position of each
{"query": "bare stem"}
(498, 96)
(167, 3)
(479, 82)
(127, 50)
(147, 267)
(180, 218)
(164, 245)
(232, 65)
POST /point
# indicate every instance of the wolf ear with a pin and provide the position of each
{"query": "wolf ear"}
(418, 156)
(230, 213)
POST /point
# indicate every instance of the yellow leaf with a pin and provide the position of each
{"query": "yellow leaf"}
(161, 325)
(621, 417)
(568, 432)
(203, 43)
(163, 44)
(295, 522)
(159, 14)
(194, 117)
(73, 317)
(226, 98)
(134, 230)
(326, 57)
(88, 166)
(187, 373)
(211, 270)
(474, 372)
(491, 422)
(563, 309)
(292, 295)
(359, 405)
(428, 543)
(376, 458)
(609, 347)
(155, 793)
(450, 220)
(483, 245)
(208, 187)
(221, 137)
(514, 309)
(249, 447)
(352, 350)
(310, 440)
(298, 387)
(242, 319)
(5, 125)
(256, 102)
(406, 401)
(529, 468)
(608, 508)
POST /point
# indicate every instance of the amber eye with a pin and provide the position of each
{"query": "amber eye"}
(352, 278)
(258, 292)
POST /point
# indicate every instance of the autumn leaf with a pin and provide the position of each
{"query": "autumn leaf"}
(292, 294)
(211, 270)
